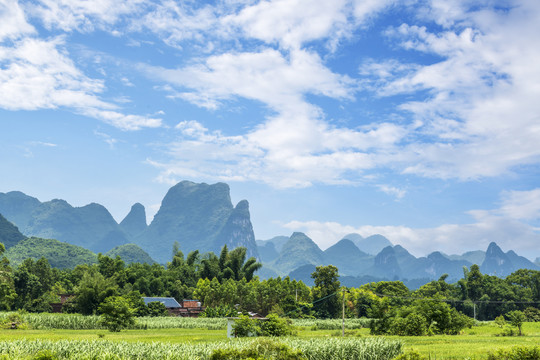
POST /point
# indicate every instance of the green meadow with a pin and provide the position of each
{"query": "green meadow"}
(473, 343)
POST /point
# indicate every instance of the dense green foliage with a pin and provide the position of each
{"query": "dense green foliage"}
(273, 326)
(130, 253)
(226, 283)
(59, 254)
(116, 313)
(326, 304)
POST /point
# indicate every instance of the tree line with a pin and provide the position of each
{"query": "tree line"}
(227, 283)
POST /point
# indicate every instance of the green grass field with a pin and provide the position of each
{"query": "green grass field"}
(474, 343)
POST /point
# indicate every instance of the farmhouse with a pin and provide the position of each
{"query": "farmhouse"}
(188, 308)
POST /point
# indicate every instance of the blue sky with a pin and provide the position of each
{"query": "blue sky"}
(418, 120)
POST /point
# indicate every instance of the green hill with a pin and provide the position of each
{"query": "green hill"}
(130, 253)
(60, 255)
(299, 250)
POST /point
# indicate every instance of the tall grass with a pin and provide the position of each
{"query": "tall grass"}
(45, 321)
(332, 324)
(81, 322)
(319, 349)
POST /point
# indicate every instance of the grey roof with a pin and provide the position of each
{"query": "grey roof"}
(169, 302)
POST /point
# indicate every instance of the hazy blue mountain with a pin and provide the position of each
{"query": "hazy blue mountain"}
(278, 242)
(267, 251)
(238, 231)
(90, 226)
(371, 245)
(443, 265)
(537, 261)
(347, 257)
(135, 221)
(9, 233)
(17, 207)
(130, 253)
(496, 262)
(266, 273)
(299, 250)
(200, 217)
(385, 265)
(303, 273)
(60, 255)
(474, 257)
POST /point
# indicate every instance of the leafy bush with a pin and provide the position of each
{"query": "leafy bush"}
(413, 325)
(116, 314)
(157, 308)
(516, 353)
(261, 349)
(276, 326)
(422, 317)
(532, 314)
(410, 355)
(516, 319)
(272, 326)
(13, 321)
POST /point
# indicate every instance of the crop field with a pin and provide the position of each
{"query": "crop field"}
(177, 338)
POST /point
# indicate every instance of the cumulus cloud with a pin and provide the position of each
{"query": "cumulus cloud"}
(481, 96)
(38, 74)
(82, 15)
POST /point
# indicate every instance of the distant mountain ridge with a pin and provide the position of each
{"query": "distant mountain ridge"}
(393, 262)
(197, 216)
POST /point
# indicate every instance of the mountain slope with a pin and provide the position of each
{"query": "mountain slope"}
(90, 226)
(200, 217)
(347, 257)
(496, 262)
(135, 221)
(17, 207)
(60, 255)
(371, 245)
(299, 250)
(130, 253)
(9, 233)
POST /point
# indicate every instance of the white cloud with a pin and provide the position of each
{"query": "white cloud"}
(267, 76)
(176, 22)
(13, 22)
(291, 23)
(38, 74)
(521, 205)
(482, 95)
(82, 15)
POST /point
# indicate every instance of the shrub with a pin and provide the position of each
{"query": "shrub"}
(275, 326)
(516, 319)
(410, 355)
(412, 325)
(259, 350)
(116, 313)
(272, 326)
(156, 308)
(532, 314)
(516, 353)
(244, 326)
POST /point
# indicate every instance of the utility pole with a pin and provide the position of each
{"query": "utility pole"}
(474, 310)
(343, 316)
